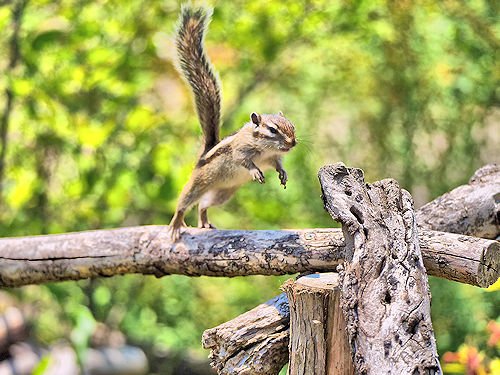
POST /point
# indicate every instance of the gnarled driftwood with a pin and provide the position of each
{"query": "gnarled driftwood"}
(385, 295)
(254, 343)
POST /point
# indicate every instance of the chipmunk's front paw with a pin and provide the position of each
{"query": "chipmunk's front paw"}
(257, 175)
(283, 177)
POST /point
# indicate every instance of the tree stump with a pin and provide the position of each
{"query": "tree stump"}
(385, 295)
(318, 339)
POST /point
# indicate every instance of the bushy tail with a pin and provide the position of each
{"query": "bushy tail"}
(197, 69)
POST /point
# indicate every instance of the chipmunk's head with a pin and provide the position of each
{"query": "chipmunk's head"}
(276, 131)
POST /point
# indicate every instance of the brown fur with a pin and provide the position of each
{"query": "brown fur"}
(197, 69)
(226, 165)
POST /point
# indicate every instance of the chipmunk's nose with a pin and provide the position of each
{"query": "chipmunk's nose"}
(290, 142)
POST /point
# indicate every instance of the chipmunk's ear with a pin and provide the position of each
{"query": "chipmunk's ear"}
(281, 114)
(255, 117)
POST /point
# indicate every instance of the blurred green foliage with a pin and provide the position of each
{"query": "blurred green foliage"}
(101, 132)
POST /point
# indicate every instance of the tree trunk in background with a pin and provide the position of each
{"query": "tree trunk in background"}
(12, 328)
(385, 295)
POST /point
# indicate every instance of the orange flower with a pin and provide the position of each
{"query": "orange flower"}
(450, 357)
(494, 328)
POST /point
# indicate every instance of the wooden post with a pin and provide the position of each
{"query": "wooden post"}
(318, 338)
(239, 346)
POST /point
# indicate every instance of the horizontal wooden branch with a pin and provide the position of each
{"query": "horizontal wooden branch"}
(472, 209)
(148, 250)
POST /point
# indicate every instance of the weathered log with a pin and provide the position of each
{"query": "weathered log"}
(230, 341)
(472, 209)
(237, 345)
(254, 343)
(318, 339)
(148, 250)
(484, 261)
(385, 294)
(234, 349)
(457, 262)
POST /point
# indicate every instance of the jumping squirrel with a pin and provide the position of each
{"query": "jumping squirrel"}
(223, 166)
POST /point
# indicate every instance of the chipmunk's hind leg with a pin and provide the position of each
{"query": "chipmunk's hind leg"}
(212, 198)
(189, 196)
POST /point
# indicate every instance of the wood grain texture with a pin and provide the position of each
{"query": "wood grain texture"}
(255, 343)
(385, 294)
(472, 209)
(318, 340)
(148, 250)
(475, 261)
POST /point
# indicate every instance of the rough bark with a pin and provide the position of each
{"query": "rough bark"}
(385, 295)
(472, 209)
(480, 267)
(467, 265)
(318, 340)
(148, 250)
(255, 343)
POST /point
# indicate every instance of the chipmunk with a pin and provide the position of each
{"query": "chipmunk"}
(226, 165)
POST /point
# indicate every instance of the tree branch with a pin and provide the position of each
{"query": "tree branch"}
(148, 250)
(260, 345)
(472, 209)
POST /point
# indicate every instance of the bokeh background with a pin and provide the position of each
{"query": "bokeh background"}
(98, 130)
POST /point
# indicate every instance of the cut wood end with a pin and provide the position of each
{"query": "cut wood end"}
(328, 280)
(490, 270)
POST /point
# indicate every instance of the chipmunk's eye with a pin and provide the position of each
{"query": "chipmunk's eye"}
(273, 130)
